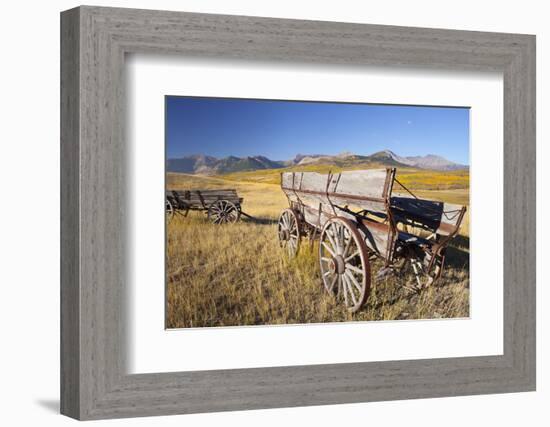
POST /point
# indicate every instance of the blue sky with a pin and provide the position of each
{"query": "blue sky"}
(279, 130)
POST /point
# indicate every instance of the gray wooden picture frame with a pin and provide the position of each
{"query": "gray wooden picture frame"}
(94, 382)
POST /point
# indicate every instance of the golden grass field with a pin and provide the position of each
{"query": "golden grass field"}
(236, 274)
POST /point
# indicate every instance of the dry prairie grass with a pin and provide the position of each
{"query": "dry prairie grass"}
(236, 275)
(435, 180)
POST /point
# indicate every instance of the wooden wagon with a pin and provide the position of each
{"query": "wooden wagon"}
(357, 218)
(221, 205)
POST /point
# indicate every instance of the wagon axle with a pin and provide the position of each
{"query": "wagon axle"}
(284, 235)
(337, 265)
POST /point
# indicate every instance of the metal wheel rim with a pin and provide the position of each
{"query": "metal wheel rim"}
(288, 228)
(344, 262)
(223, 212)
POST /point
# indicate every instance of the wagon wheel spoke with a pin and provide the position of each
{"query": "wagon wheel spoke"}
(349, 288)
(344, 262)
(353, 280)
(293, 229)
(343, 288)
(330, 251)
(353, 255)
(354, 269)
(346, 248)
(330, 243)
(340, 238)
(290, 247)
(332, 282)
(288, 228)
(216, 212)
(223, 211)
(230, 212)
(330, 237)
(288, 220)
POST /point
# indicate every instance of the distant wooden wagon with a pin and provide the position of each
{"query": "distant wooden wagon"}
(357, 219)
(221, 206)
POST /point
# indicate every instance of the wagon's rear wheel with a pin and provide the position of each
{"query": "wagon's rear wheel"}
(223, 212)
(344, 260)
(288, 229)
(169, 210)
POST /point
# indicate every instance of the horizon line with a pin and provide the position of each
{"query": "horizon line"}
(348, 153)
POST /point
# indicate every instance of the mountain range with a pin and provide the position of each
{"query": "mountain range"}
(208, 165)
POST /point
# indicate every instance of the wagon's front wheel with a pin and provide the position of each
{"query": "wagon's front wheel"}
(223, 212)
(344, 260)
(288, 229)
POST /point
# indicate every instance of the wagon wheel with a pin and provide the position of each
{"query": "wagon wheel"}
(169, 210)
(289, 232)
(412, 264)
(223, 212)
(344, 260)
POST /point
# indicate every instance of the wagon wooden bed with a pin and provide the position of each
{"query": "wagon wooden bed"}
(221, 205)
(357, 219)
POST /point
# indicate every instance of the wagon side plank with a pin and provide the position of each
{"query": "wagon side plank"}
(366, 183)
(363, 189)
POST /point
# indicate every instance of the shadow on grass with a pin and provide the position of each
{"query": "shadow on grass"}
(256, 220)
(458, 253)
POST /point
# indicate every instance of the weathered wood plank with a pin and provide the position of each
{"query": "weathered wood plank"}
(202, 192)
(367, 183)
(211, 198)
(360, 189)
(375, 235)
(196, 199)
(313, 200)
